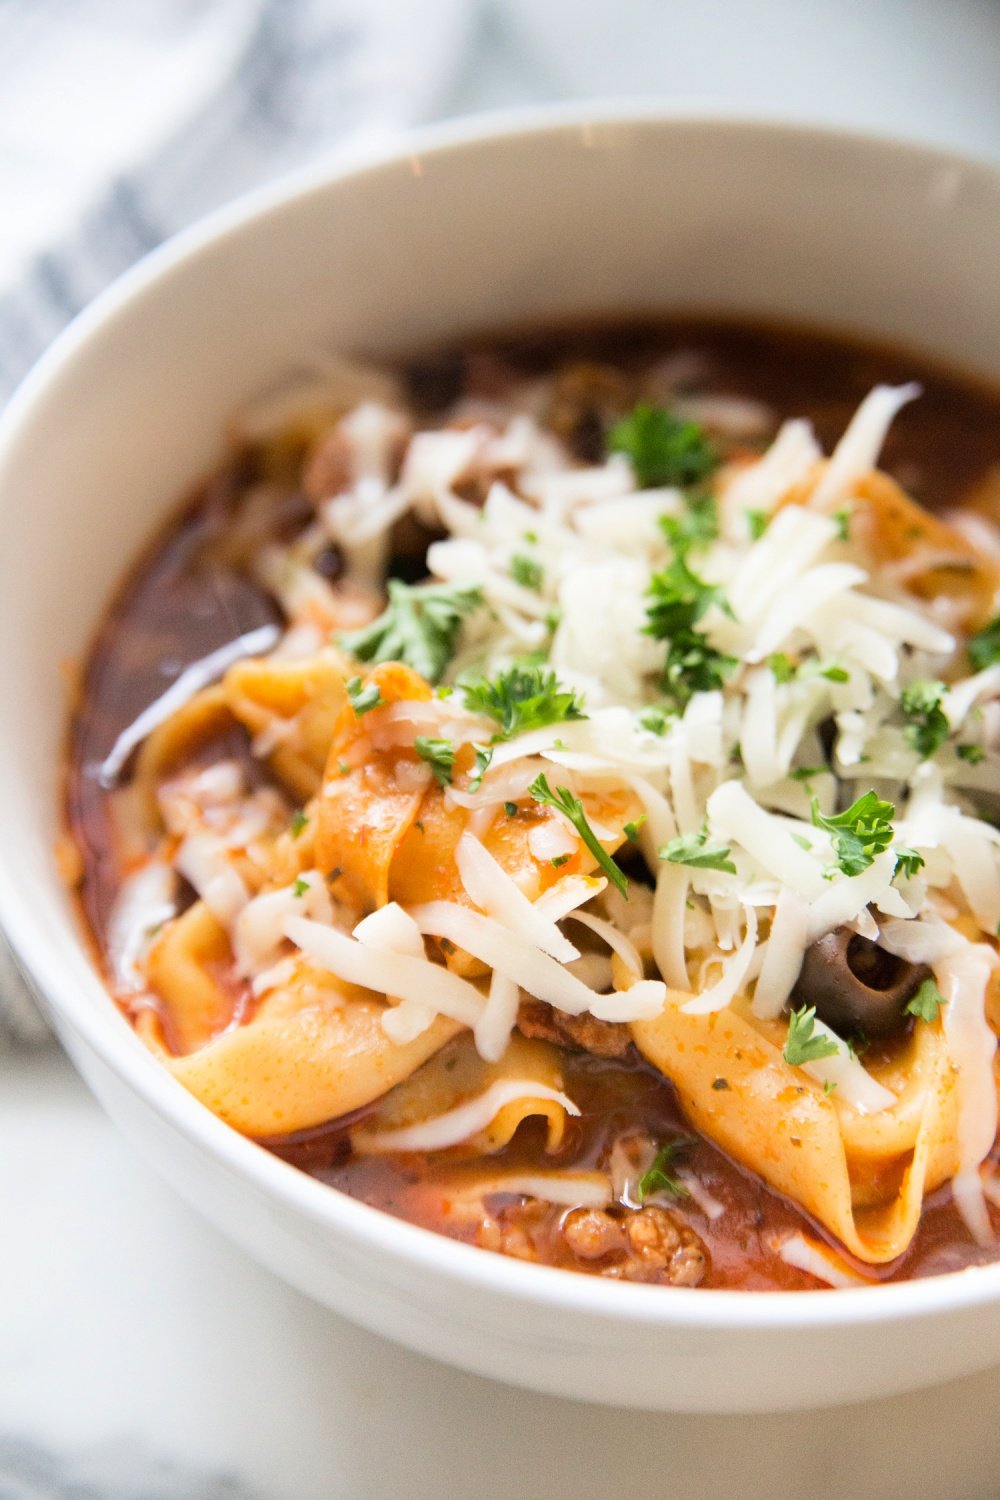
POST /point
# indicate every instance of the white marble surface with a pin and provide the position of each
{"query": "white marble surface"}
(142, 1357)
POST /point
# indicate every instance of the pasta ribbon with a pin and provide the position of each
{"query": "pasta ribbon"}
(314, 1050)
(863, 1177)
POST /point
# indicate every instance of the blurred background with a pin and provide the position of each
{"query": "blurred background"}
(122, 120)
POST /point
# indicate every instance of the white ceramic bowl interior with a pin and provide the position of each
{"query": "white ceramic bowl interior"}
(470, 227)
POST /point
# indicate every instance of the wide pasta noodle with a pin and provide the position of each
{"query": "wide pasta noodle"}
(862, 1176)
(313, 1050)
(291, 708)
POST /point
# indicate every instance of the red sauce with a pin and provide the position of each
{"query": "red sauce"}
(181, 601)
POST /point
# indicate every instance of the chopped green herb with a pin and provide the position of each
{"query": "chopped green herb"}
(663, 449)
(563, 800)
(828, 1087)
(631, 830)
(439, 755)
(720, 1083)
(510, 808)
(300, 887)
(859, 833)
(419, 626)
(842, 520)
(974, 754)
(803, 1044)
(757, 523)
(527, 572)
(678, 601)
(553, 618)
(926, 1002)
(531, 537)
(298, 823)
(984, 646)
(927, 727)
(802, 841)
(343, 767)
(657, 720)
(785, 670)
(560, 860)
(363, 699)
(484, 755)
(659, 1178)
(814, 667)
(694, 526)
(908, 862)
(694, 849)
(522, 698)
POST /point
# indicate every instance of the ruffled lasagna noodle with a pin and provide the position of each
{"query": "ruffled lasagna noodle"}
(651, 732)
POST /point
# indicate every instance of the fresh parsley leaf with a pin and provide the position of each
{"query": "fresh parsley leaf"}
(527, 572)
(842, 520)
(298, 823)
(553, 618)
(974, 754)
(439, 755)
(694, 849)
(363, 699)
(631, 830)
(659, 1178)
(484, 755)
(908, 862)
(695, 525)
(559, 860)
(785, 670)
(419, 626)
(678, 599)
(300, 887)
(802, 1044)
(757, 523)
(814, 667)
(530, 536)
(510, 808)
(927, 727)
(926, 1002)
(563, 800)
(663, 449)
(858, 833)
(657, 720)
(984, 646)
(522, 698)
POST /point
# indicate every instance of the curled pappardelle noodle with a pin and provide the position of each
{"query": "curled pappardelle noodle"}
(685, 753)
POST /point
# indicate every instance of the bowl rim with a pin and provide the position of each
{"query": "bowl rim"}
(106, 1033)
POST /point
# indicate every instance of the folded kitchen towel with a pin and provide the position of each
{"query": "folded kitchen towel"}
(119, 124)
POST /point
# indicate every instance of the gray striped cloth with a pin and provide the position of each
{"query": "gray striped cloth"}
(121, 123)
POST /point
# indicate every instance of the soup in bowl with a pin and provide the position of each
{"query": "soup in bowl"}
(539, 788)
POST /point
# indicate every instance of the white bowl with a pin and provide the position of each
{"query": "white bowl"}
(469, 226)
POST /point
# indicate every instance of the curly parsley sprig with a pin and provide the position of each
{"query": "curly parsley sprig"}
(522, 698)
(858, 833)
(419, 626)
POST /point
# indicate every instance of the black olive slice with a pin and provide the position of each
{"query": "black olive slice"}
(857, 986)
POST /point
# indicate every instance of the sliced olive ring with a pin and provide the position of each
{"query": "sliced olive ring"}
(857, 986)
